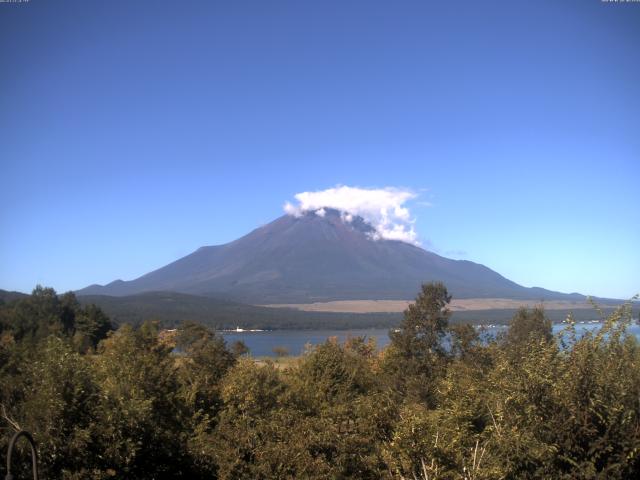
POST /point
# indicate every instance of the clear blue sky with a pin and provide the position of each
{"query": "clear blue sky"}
(133, 132)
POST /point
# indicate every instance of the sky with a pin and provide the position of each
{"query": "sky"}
(134, 132)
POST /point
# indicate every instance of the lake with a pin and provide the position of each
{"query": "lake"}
(261, 344)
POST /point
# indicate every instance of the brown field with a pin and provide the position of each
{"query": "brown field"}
(280, 363)
(392, 306)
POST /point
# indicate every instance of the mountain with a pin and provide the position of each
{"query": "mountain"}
(7, 296)
(311, 258)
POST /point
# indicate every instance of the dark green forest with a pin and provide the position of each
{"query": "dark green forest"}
(172, 308)
(438, 403)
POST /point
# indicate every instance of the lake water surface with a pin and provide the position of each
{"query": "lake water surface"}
(261, 344)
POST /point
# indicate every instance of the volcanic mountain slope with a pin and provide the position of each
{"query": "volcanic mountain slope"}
(311, 258)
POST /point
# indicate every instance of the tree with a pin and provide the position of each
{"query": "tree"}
(92, 325)
(416, 356)
(37, 316)
(51, 393)
(246, 429)
(239, 348)
(45, 313)
(140, 419)
(206, 361)
(425, 323)
(529, 326)
(281, 351)
(351, 414)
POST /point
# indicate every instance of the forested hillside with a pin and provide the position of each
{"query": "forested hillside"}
(173, 308)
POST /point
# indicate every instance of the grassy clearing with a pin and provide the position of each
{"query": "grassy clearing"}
(280, 363)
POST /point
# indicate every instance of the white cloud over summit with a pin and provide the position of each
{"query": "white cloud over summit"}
(382, 208)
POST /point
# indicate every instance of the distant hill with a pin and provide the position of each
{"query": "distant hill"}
(314, 258)
(7, 296)
(173, 308)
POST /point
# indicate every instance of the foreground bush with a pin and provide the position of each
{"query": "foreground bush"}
(438, 403)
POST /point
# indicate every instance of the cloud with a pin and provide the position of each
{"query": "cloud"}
(382, 208)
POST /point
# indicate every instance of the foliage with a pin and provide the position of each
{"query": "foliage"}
(416, 358)
(239, 348)
(438, 403)
(173, 308)
(529, 325)
(49, 390)
(281, 351)
(43, 313)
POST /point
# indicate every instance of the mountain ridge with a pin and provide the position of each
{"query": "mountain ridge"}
(311, 258)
